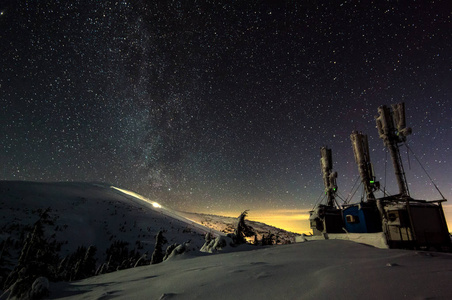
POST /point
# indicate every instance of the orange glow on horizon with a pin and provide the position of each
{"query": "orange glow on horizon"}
(293, 220)
(296, 220)
(447, 208)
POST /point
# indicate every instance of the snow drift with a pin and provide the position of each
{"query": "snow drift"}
(328, 269)
(74, 230)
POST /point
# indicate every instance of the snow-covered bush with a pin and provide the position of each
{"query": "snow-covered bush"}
(268, 239)
(39, 288)
(176, 249)
(217, 244)
(143, 260)
(304, 237)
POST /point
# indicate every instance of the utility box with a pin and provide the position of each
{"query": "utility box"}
(326, 219)
(417, 224)
(362, 217)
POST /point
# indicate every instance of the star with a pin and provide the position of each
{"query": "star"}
(220, 104)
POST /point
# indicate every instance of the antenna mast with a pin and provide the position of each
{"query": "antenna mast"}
(329, 177)
(392, 129)
(362, 158)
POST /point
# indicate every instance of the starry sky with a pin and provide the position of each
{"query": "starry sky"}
(221, 106)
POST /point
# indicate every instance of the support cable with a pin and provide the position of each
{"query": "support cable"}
(402, 169)
(408, 156)
(351, 194)
(320, 199)
(354, 192)
(340, 196)
(386, 167)
(419, 162)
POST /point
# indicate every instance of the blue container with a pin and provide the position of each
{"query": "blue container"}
(362, 217)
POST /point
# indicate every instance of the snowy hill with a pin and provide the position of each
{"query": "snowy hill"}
(84, 215)
(328, 269)
(91, 214)
(80, 215)
(227, 225)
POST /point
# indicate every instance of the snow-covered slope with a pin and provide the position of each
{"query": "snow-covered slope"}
(328, 269)
(86, 214)
(228, 224)
(97, 214)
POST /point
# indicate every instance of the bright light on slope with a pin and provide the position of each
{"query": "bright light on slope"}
(130, 193)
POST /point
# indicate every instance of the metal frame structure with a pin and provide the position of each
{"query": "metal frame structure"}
(406, 222)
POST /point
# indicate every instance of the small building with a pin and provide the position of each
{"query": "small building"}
(362, 217)
(326, 219)
(413, 223)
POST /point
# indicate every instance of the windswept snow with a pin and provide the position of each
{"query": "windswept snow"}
(227, 225)
(97, 214)
(328, 269)
(376, 239)
(92, 214)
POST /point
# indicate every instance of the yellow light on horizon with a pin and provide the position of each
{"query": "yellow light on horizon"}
(293, 220)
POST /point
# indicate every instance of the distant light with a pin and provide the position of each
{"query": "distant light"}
(133, 194)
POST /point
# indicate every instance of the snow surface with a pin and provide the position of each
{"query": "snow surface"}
(97, 214)
(376, 239)
(226, 225)
(327, 269)
(89, 214)
(92, 214)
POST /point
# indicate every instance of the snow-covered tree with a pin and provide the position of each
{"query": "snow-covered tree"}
(268, 239)
(5, 259)
(86, 265)
(157, 255)
(143, 260)
(242, 230)
(38, 258)
(117, 253)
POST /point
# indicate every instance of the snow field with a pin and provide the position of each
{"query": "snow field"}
(329, 269)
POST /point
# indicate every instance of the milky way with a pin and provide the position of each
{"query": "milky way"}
(221, 105)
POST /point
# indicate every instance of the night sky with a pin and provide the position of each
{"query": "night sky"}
(221, 106)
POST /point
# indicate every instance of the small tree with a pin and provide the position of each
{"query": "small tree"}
(5, 259)
(243, 230)
(255, 242)
(67, 268)
(157, 255)
(268, 239)
(86, 266)
(117, 253)
(38, 258)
